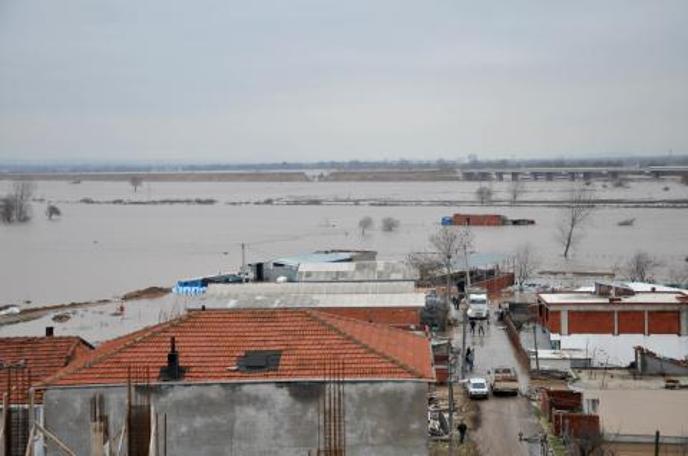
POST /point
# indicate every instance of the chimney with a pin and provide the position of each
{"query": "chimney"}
(653, 289)
(49, 331)
(172, 371)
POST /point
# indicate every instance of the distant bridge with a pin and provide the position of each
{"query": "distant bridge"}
(572, 173)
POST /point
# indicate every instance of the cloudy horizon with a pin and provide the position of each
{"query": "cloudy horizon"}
(311, 81)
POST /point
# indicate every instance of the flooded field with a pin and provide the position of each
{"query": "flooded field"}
(102, 250)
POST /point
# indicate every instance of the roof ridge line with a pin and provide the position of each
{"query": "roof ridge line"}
(314, 314)
(155, 329)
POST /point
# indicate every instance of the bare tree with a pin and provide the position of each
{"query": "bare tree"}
(525, 263)
(136, 182)
(365, 223)
(52, 211)
(16, 205)
(450, 244)
(427, 265)
(389, 224)
(516, 188)
(640, 267)
(483, 194)
(573, 218)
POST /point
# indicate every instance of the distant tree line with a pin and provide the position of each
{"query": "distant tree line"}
(473, 162)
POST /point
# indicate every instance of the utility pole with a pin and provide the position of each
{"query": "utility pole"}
(464, 314)
(657, 443)
(537, 357)
(243, 257)
(450, 384)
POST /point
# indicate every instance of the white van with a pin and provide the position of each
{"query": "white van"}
(478, 306)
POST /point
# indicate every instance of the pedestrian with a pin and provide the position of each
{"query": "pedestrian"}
(470, 356)
(481, 330)
(462, 428)
(472, 327)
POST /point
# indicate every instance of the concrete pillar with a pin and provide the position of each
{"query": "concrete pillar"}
(515, 176)
(647, 323)
(587, 176)
(572, 176)
(616, 322)
(549, 176)
(564, 322)
(684, 322)
(535, 176)
(499, 176)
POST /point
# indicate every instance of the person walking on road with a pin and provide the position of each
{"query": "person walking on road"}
(472, 327)
(462, 428)
(470, 355)
(481, 330)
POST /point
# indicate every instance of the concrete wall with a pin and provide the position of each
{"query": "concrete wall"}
(382, 418)
(618, 350)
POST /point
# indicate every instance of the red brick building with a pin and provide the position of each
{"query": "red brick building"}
(614, 317)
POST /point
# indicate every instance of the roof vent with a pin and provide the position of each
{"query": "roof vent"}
(173, 371)
(259, 361)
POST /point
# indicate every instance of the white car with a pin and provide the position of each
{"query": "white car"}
(478, 388)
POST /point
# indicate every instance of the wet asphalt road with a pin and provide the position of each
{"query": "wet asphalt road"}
(501, 418)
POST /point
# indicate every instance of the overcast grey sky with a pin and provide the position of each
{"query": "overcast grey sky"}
(259, 81)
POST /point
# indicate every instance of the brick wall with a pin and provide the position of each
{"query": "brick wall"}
(631, 322)
(393, 316)
(663, 322)
(582, 322)
(575, 424)
(496, 284)
(554, 321)
(551, 400)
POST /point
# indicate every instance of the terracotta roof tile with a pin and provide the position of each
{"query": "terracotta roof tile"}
(211, 342)
(25, 361)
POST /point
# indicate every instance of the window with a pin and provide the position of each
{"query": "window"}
(259, 361)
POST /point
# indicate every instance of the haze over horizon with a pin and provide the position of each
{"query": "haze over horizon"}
(308, 81)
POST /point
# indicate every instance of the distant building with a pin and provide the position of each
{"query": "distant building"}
(392, 303)
(287, 267)
(250, 382)
(612, 318)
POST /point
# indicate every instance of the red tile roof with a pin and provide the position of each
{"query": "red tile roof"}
(29, 360)
(211, 342)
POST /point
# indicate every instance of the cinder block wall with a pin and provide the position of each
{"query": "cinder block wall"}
(382, 418)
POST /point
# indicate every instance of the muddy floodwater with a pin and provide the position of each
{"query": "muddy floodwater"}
(99, 251)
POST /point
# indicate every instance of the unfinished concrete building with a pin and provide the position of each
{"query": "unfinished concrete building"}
(25, 362)
(249, 382)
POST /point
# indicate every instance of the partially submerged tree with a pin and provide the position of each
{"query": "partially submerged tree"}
(640, 267)
(16, 205)
(525, 263)
(516, 189)
(483, 194)
(365, 224)
(136, 182)
(52, 211)
(576, 212)
(389, 224)
(451, 244)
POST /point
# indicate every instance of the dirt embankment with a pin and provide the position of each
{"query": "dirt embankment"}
(274, 176)
(31, 313)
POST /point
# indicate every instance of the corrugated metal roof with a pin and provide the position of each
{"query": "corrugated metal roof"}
(479, 260)
(311, 287)
(356, 271)
(310, 300)
(314, 258)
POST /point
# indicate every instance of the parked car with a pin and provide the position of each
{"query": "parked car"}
(478, 388)
(504, 381)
